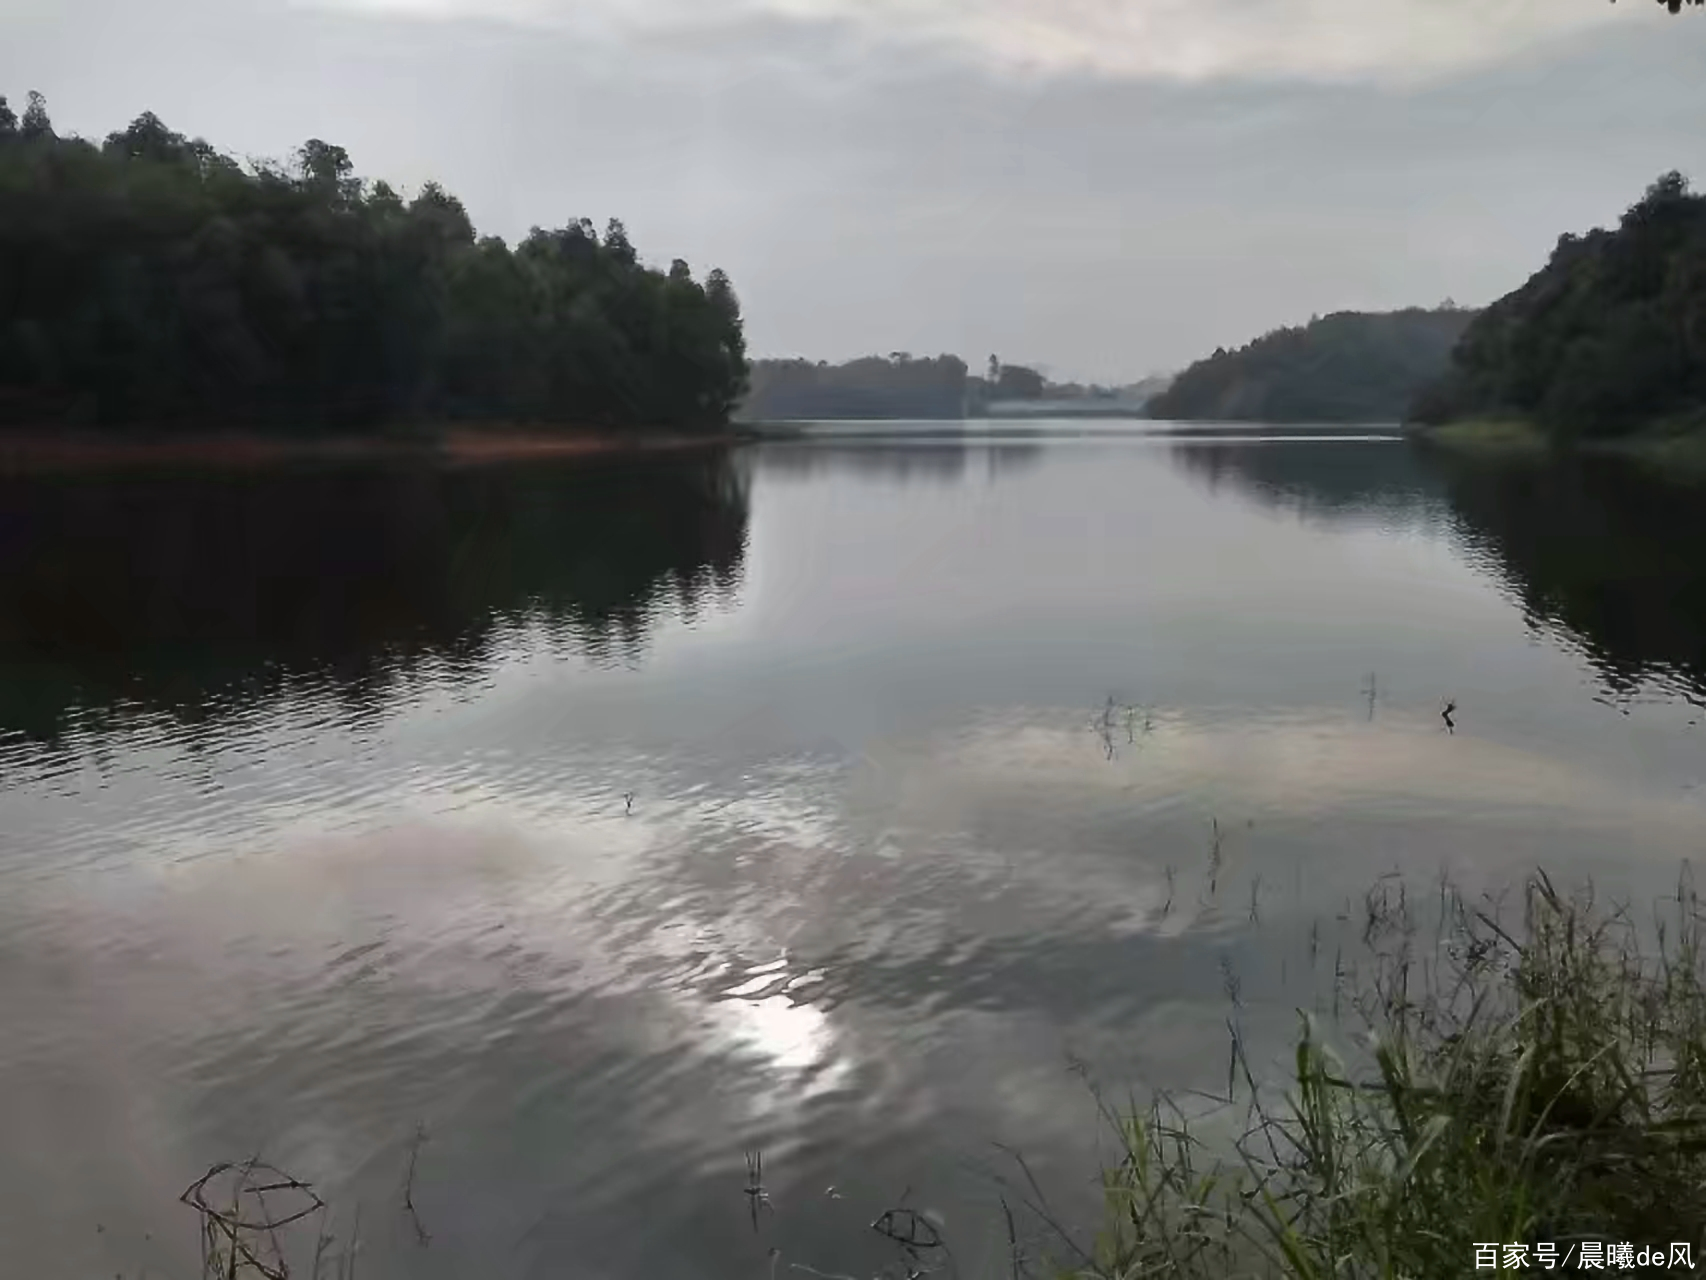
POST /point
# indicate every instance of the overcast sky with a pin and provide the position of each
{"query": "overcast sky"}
(1106, 187)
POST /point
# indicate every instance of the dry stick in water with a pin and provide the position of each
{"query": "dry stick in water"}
(1012, 1237)
(757, 1197)
(234, 1242)
(415, 1146)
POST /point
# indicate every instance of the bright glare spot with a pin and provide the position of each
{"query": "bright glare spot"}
(792, 1037)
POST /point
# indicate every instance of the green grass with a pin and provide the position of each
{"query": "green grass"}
(1545, 1082)
(1675, 448)
(1500, 437)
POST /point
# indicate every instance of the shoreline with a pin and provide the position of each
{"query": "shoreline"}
(27, 451)
(1483, 437)
(1676, 452)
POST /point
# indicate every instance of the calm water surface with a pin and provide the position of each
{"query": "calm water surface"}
(314, 816)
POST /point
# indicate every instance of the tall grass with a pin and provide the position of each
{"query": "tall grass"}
(1516, 1085)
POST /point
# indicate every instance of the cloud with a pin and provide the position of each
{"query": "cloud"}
(1171, 40)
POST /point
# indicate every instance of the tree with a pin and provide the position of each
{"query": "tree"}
(35, 125)
(153, 279)
(1605, 339)
(616, 243)
(444, 213)
(721, 293)
(384, 200)
(1019, 383)
(8, 119)
(147, 138)
(327, 170)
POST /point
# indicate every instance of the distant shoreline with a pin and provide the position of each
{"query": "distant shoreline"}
(51, 449)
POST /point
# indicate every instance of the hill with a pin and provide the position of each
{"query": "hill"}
(1351, 366)
(1608, 338)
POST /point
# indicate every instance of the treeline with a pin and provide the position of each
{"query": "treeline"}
(1006, 384)
(1350, 366)
(899, 385)
(1605, 339)
(151, 280)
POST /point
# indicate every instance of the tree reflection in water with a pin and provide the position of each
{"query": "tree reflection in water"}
(1600, 555)
(186, 594)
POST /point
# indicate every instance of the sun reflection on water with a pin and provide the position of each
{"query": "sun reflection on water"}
(765, 1016)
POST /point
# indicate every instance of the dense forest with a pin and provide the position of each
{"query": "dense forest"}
(896, 386)
(1347, 367)
(1605, 339)
(150, 280)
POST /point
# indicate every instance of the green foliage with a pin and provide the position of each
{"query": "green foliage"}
(1609, 337)
(35, 125)
(152, 280)
(1346, 367)
(898, 386)
(1539, 1083)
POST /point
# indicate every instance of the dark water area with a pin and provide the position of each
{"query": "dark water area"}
(848, 799)
(184, 593)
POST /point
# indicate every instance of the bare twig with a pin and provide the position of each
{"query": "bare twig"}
(1012, 1237)
(757, 1197)
(236, 1240)
(419, 1141)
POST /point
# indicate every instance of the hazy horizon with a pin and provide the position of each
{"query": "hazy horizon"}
(1106, 190)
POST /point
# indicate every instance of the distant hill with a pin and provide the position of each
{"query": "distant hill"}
(1351, 366)
(1146, 389)
(895, 386)
(1605, 339)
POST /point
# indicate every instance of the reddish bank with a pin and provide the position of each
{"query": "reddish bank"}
(58, 449)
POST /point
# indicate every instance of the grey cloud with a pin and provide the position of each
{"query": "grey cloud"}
(1148, 39)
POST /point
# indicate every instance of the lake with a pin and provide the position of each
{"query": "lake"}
(850, 799)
